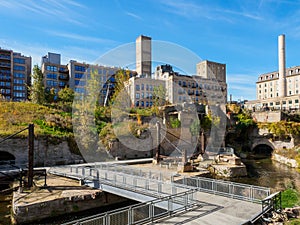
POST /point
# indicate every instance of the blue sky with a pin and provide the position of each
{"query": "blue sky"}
(241, 33)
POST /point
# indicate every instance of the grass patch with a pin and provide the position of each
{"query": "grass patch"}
(293, 222)
(290, 198)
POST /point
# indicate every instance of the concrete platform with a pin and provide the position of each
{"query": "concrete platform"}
(215, 210)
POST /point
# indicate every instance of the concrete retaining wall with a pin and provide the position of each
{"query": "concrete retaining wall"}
(60, 206)
(46, 152)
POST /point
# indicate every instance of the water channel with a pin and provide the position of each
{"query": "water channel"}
(261, 172)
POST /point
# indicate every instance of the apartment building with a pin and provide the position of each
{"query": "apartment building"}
(76, 74)
(56, 75)
(142, 90)
(179, 88)
(80, 73)
(15, 70)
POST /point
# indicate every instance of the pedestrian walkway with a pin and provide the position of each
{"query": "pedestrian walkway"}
(186, 201)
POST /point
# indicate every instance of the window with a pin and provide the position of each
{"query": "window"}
(147, 87)
(179, 82)
(290, 102)
(51, 83)
(19, 88)
(19, 81)
(51, 68)
(137, 103)
(296, 100)
(82, 68)
(137, 87)
(79, 82)
(142, 95)
(51, 76)
(79, 90)
(62, 84)
(19, 75)
(137, 95)
(19, 94)
(78, 75)
(19, 60)
(142, 86)
(21, 68)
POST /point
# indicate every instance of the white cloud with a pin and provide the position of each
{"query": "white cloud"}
(134, 15)
(81, 37)
(62, 9)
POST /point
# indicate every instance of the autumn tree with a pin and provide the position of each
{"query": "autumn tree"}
(66, 95)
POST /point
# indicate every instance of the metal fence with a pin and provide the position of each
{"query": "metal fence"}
(226, 188)
(142, 213)
(136, 183)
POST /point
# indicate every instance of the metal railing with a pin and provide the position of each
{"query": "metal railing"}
(142, 213)
(226, 188)
(136, 183)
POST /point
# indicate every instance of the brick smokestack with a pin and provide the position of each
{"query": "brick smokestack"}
(281, 66)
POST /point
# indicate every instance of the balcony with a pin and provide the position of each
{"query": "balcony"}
(5, 57)
(5, 65)
(63, 77)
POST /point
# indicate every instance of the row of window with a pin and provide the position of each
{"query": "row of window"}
(19, 60)
(79, 90)
(80, 83)
(5, 72)
(51, 76)
(4, 64)
(4, 77)
(4, 84)
(142, 95)
(3, 56)
(19, 81)
(51, 68)
(146, 87)
(20, 68)
(5, 91)
(143, 104)
(290, 102)
(79, 68)
(19, 94)
(51, 83)
(19, 88)
(19, 75)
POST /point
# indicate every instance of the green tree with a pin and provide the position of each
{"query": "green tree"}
(37, 90)
(66, 95)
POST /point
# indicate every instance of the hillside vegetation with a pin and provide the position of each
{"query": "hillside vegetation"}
(48, 121)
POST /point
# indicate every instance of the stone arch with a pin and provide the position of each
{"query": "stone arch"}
(7, 156)
(263, 147)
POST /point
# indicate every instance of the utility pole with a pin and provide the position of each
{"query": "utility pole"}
(157, 156)
(30, 154)
(202, 142)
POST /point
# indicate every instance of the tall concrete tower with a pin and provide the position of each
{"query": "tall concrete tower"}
(143, 56)
(281, 65)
